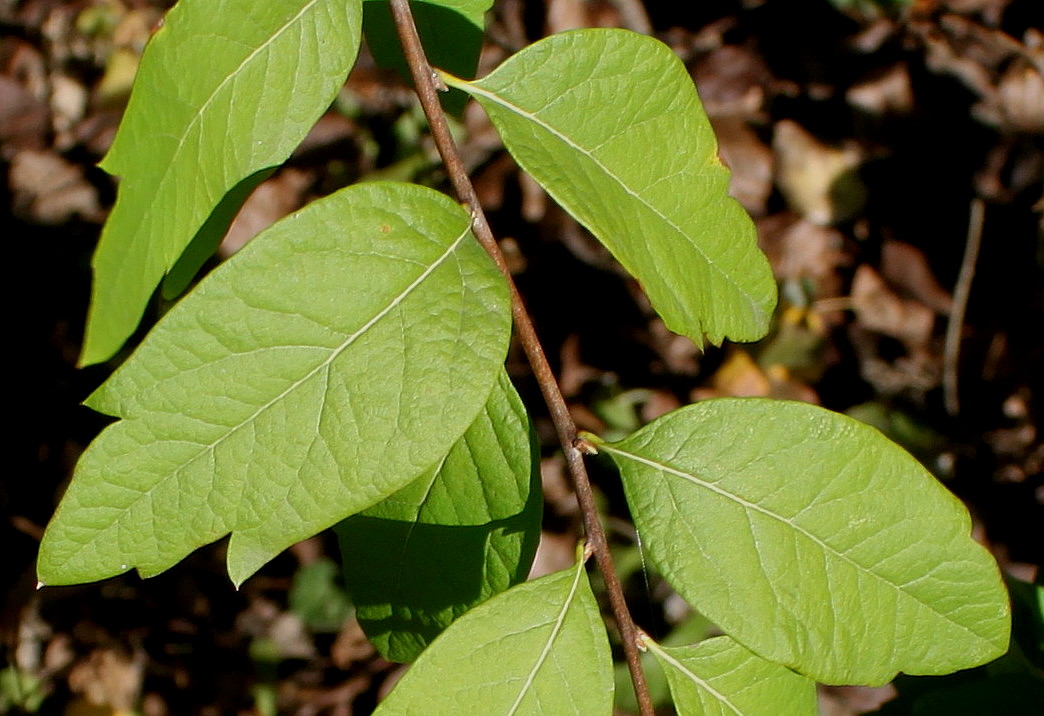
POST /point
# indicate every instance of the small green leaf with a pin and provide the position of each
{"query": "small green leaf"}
(813, 540)
(609, 123)
(317, 597)
(463, 532)
(324, 367)
(538, 648)
(718, 677)
(226, 88)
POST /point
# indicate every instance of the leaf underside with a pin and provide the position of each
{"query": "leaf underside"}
(451, 539)
(609, 123)
(813, 540)
(226, 88)
(538, 648)
(322, 368)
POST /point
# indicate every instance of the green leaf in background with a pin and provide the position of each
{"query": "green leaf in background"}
(322, 368)
(538, 648)
(317, 597)
(226, 88)
(609, 123)
(450, 30)
(813, 540)
(719, 677)
(463, 532)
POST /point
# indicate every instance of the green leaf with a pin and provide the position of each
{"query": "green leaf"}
(813, 541)
(324, 367)
(450, 30)
(538, 648)
(463, 532)
(609, 123)
(720, 677)
(226, 88)
(317, 597)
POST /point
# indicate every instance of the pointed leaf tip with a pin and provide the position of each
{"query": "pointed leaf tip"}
(800, 531)
(609, 123)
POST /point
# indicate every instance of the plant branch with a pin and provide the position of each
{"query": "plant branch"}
(961, 292)
(427, 84)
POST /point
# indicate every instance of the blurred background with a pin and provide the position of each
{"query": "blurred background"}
(891, 154)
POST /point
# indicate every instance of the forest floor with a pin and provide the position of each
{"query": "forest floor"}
(893, 162)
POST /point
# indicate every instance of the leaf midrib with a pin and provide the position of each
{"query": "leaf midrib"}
(477, 89)
(169, 166)
(753, 506)
(556, 629)
(351, 339)
(691, 676)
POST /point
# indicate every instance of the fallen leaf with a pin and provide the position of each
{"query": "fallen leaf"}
(818, 181)
(887, 93)
(49, 190)
(880, 310)
(905, 267)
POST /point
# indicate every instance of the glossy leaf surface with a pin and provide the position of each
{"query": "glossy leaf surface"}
(813, 540)
(719, 677)
(538, 648)
(461, 533)
(609, 123)
(226, 88)
(322, 368)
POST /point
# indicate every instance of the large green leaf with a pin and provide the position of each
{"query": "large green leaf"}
(226, 88)
(718, 677)
(609, 123)
(813, 540)
(461, 533)
(538, 648)
(322, 368)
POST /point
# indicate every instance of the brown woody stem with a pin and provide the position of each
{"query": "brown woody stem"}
(427, 84)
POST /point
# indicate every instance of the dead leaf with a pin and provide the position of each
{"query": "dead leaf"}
(887, 93)
(49, 190)
(749, 160)
(555, 552)
(271, 201)
(565, 15)
(905, 267)
(880, 310)
(23, 118)
(351, 646)
(732, 81)
(1018, 103)
(108, 680)
(818, 181)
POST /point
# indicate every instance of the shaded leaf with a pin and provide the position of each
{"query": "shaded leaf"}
(226, 89)
(588, 115)
(719, 676)
(450, 31)
(323, 367)
(813, 541)
(461, 533)
(538, 648)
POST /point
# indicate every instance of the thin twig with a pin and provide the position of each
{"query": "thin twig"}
(426, 82)
(961, 292)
